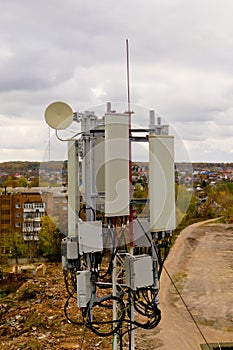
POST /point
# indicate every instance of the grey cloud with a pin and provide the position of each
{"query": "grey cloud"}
(180, 63)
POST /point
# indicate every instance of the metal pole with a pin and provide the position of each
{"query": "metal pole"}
(87, 160)
(73, 188)
(93, 124)
(109, 107)
(114, 290)
(132, 333)
(152, 121)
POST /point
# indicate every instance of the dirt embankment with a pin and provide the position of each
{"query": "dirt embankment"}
(201, 265)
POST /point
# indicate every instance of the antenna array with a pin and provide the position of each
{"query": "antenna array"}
(112, 257)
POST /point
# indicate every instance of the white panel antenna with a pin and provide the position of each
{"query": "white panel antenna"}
(116, 164)
(162, 183)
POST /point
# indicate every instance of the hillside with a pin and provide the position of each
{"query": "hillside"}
(200, 263)
(24, 168)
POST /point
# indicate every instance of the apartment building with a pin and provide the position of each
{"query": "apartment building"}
(60, 211)
(21, 211)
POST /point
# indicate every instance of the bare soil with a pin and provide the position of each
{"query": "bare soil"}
(201, 265)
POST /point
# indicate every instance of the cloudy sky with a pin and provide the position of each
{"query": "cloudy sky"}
(181, 65)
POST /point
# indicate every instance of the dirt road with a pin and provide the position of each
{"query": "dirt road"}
(201, 265)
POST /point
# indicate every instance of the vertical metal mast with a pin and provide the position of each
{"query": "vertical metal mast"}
(128, 80)
(130, 148)
(131, 334)
(73, 188)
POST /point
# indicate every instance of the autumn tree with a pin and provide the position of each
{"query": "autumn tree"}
(35, 182)
(11, 181)
(15, 246)
(140, 191)
(22, 182)
(50, 239)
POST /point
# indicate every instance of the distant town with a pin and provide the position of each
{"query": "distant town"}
(31, 191)
(54, 173)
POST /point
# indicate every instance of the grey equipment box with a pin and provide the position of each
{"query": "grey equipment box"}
(139, 271)
(90, 236)
(83, 287)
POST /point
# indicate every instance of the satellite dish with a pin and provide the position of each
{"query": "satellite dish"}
(59, 115)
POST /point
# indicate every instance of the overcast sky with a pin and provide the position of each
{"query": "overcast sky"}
(181, 65)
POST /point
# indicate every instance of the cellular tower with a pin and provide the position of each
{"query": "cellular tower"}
(113, 254)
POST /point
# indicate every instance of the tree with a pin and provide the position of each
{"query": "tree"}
(15, 246)
(140, 191)
(228, 215)
(34, 182)
(23, 182)
(183, 198)
(50, 239)
(11, 181)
